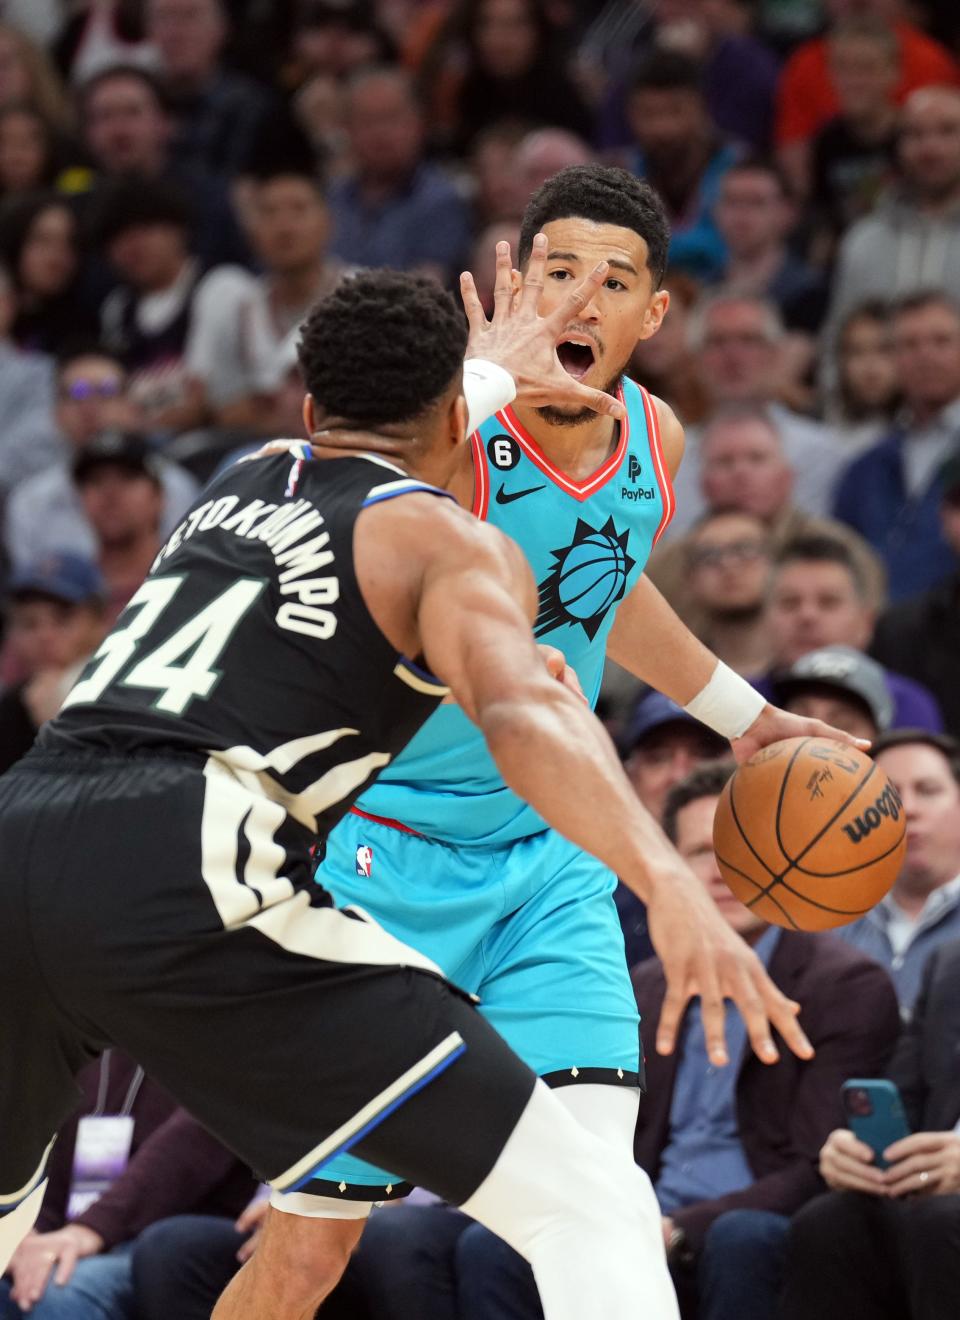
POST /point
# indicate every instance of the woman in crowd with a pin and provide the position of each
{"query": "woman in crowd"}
(39, 243)
(868, 391)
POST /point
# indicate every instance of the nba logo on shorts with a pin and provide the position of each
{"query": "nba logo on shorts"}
(364, 859)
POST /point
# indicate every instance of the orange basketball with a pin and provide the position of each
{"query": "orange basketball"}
(809, 833)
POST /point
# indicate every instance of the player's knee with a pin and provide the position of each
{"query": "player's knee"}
(304, 1258)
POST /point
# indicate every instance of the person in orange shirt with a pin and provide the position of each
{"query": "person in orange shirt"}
(807, 97)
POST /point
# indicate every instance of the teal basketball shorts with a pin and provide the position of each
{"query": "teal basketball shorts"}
(530, 928)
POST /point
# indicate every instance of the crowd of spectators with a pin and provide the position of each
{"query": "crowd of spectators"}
(181, 179)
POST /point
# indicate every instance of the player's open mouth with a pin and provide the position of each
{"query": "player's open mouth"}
(576, 357)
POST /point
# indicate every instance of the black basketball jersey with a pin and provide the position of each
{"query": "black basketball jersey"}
(250, 641)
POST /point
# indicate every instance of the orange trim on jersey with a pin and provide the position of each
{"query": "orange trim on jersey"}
(481, 482)
(385, 820)
(580, 490)
(660, 465)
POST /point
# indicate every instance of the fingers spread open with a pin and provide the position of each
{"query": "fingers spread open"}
(533, 280)
(503, 284)
(476, 317)
(585, 397)
(577, 299)
(671, 1012)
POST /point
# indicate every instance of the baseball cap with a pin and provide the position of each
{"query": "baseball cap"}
(61, 575)
(848, 671)
(655, 711)
(122, 448)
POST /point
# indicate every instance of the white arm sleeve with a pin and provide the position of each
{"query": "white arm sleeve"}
(487, 388)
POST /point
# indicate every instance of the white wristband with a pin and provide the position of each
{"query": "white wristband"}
(728, 704)
(487, 387)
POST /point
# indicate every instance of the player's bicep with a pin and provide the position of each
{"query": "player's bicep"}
(475, 629)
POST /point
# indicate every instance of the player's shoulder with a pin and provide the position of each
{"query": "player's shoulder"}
(658, 413)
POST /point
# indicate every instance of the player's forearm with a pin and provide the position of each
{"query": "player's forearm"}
(555, 754)
(652, 642)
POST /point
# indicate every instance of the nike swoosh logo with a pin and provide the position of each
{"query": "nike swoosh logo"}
(508, 496)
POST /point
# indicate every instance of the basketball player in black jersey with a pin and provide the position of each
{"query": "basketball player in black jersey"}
(155, 848)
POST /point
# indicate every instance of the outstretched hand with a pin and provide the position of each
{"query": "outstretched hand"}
(524, 343)
(702, 955)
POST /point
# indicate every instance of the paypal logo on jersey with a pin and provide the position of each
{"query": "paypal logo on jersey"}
(633, 492)
(588, 577)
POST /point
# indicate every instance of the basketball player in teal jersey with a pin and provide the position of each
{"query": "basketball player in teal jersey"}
(439, 850)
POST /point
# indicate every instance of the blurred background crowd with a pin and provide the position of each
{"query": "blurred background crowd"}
(181, 179)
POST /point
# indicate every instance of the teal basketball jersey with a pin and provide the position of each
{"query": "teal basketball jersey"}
(587, 543)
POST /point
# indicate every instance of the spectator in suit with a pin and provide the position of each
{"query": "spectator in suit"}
(75, 1265)
(394, 209)
(891, 493)
(716, 1141)
(819, 597)
(885, 1245)
(920, 636)
(922, 910)
(217, 112)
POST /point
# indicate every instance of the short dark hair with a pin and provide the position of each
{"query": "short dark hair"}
(129, 202)
(707, 780)
(759, 164)
(72, 350)
(815, 549)
(381, 348)
(920, 299)
(607, 196)
(132, 72)
(871, 309)
(667, 71)
(949, 748)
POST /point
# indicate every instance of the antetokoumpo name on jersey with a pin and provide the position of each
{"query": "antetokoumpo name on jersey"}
(282, 528)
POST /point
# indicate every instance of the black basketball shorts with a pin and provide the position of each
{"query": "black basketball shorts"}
(160, 905)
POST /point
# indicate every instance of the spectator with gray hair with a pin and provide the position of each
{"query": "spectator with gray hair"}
(742, 350)
(891, 493)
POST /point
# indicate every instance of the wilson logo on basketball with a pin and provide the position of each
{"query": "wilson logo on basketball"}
(888, 804)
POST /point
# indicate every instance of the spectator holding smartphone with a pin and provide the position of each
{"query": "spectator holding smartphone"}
(885, 1244)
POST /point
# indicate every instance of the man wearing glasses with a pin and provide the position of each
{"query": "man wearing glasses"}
(45, 513)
